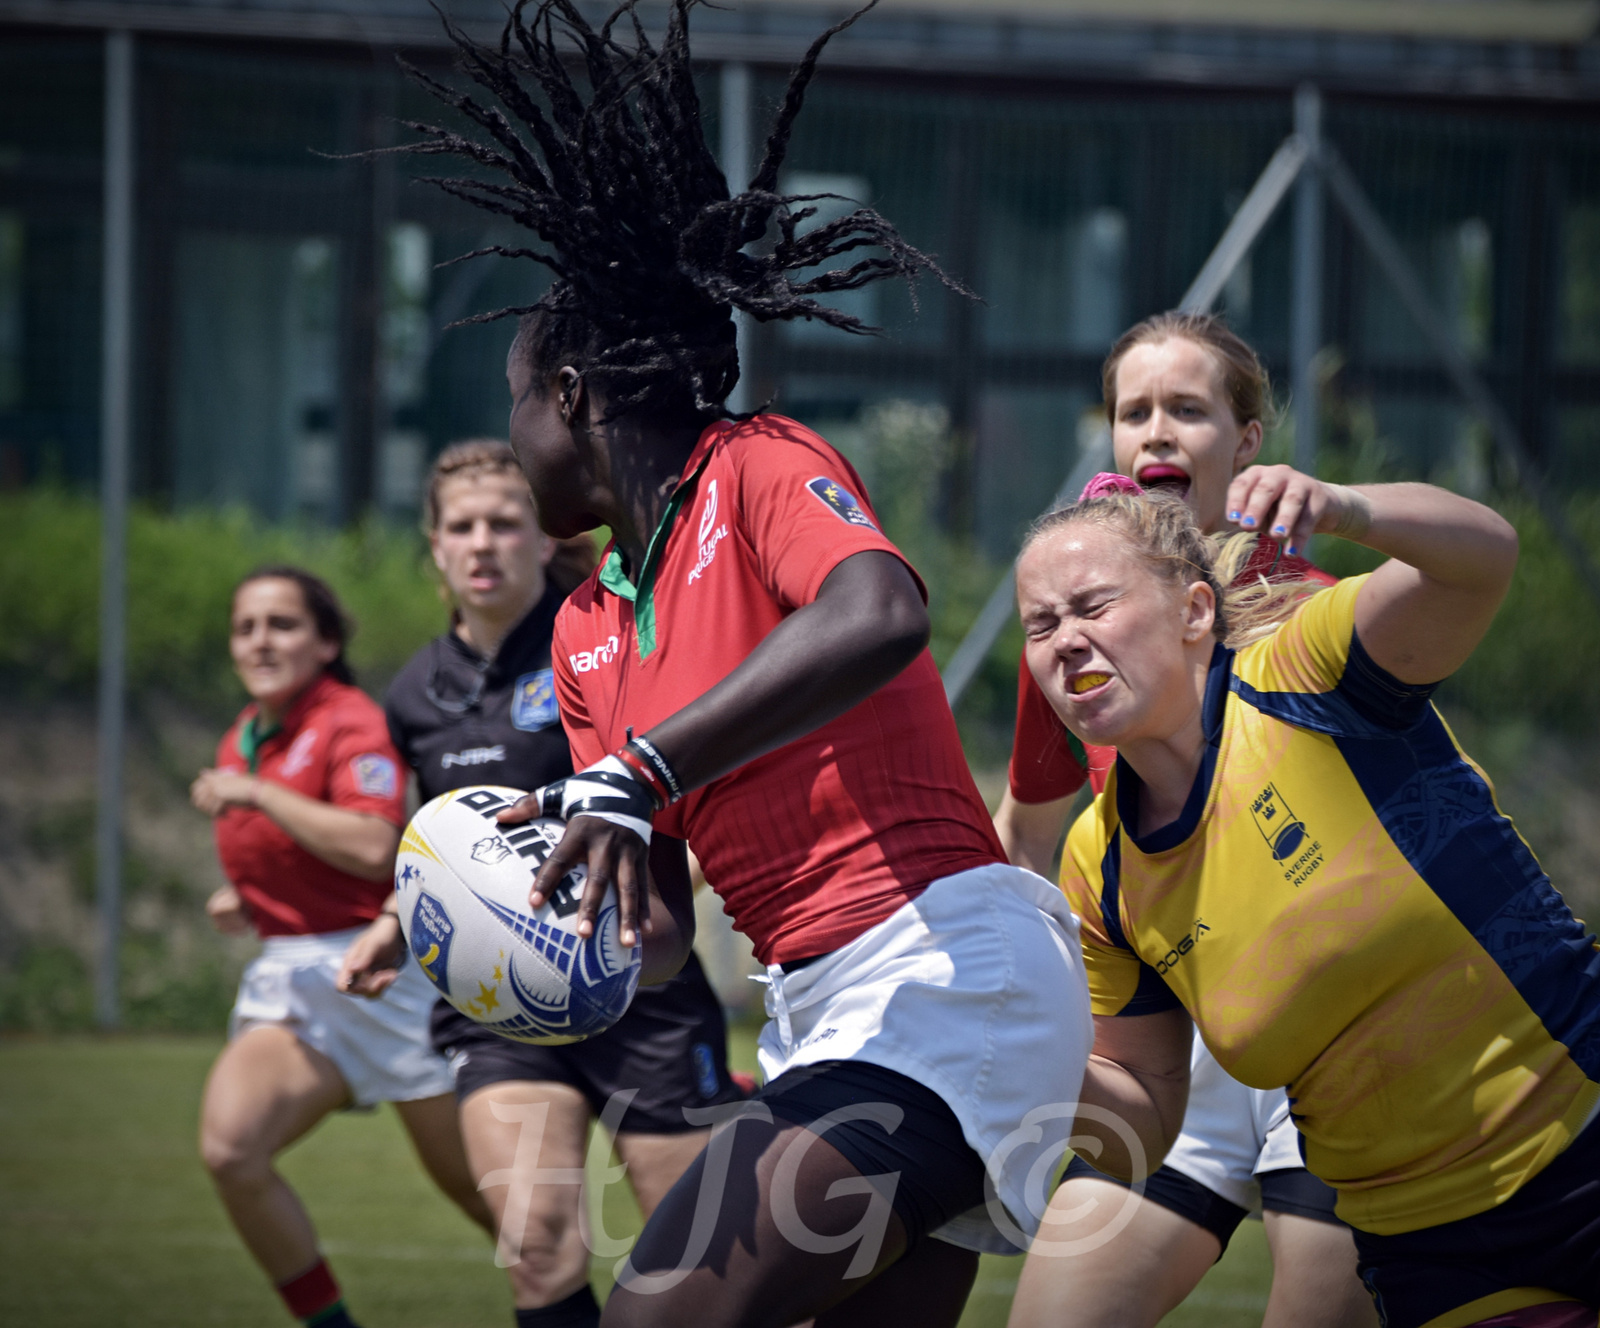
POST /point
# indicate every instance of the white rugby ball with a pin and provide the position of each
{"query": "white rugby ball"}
(462, 879)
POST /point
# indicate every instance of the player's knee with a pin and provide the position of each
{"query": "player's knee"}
(233, 1163)
(545, 1237)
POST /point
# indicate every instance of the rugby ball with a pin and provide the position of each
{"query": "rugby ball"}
(462, 879)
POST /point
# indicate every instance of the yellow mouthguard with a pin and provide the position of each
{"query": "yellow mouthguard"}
(1084, 681)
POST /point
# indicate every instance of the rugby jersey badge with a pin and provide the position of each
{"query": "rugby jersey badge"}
(841, 502)
(533, 701)
(374, 774)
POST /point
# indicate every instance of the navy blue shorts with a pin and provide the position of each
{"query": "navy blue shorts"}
(671, 1046)
(1179, 1194)
(1546, 1235)
(1290, 1190)
(940, 1177)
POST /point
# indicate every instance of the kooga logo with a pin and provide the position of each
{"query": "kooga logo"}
(1189, 941)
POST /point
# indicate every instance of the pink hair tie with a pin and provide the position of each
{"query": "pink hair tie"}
(1108, 482)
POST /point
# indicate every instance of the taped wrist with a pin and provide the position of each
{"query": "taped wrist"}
(648, 764)
(607, 789)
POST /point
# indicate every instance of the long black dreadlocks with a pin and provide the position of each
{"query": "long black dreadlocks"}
(649, 251)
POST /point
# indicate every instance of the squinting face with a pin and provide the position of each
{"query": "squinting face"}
(558, 468)
(1173, 426)
(274, 642)
(488, 545)
(1111, 643)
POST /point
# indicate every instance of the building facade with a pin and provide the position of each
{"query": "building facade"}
(1071, 161)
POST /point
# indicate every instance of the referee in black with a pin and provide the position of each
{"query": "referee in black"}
(478, 706)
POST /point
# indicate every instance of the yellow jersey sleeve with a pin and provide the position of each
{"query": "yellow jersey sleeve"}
(1314, 672)
(1120, 982)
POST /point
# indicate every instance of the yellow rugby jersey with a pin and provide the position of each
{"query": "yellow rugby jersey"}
(1343, 910)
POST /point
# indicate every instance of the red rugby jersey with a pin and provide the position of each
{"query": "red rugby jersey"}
(1048, 763)
(811, 844)
(333, 746)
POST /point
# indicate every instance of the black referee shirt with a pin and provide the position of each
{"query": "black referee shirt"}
(460, 719)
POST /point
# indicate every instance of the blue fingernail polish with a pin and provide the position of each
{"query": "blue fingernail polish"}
(1280, 530)
(1248, 521)
(1292, 550)
(1233, 516)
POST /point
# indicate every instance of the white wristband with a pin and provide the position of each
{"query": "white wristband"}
(607, 789)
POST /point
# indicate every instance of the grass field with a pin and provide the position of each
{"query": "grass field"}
(107, 1218)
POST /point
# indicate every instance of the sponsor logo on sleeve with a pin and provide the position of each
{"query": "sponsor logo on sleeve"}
(533, 701)
(374, 774)
(841, 502)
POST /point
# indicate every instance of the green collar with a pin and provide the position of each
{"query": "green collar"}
(251, 738)
(643, 595)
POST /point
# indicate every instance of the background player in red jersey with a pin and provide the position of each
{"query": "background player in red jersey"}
(308, 805)
(748, 670)
(1187, 400)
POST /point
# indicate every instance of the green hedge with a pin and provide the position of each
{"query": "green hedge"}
(181, 573)
(1537, 663)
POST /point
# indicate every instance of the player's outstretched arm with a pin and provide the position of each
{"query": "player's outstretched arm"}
(1138, 1077)
(1420, 615)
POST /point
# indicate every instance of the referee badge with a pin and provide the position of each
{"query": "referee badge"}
(841, 502)
(533, 701)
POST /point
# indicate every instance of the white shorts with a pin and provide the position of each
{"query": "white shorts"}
(975, 989)
(380, 1046)
(1232, 1133)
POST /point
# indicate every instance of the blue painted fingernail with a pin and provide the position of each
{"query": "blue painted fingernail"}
(1233, 516)
(1247, 521)
(1280, 530)
(1293, 550)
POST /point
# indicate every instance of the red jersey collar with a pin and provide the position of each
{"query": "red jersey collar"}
(314, 693)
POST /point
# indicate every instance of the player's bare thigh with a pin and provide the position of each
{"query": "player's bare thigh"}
(526, 1143)
(266, 1089)
(1314, 1281)
(1107, 1258)
(655, 1162)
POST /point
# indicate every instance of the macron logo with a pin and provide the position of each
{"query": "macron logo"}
(587, 661)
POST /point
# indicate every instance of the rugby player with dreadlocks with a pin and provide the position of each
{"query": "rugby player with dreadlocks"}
(748, 671)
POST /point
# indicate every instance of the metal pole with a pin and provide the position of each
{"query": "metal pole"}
(1386, 251)
(737, 97)
(1259, 207)
(116, 314)
(1305, 317)
(1002, 602)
